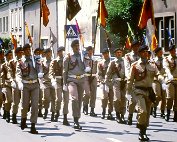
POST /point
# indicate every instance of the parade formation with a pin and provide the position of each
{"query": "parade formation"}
(139, 81)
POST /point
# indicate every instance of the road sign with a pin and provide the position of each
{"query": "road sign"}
(71, 31)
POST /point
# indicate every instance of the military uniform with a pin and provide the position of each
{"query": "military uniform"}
(171, 91)
(128, 60)
(27, 77)
(139, 82)
(90, 84)
(46, 86)
(159, 90)
(107, 89)
(56, 75)
(73, 73)
(116, 73)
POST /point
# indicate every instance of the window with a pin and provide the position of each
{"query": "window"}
(0, 24)
(32, 30)
(171, 30)
(4, 24)
(7, 25)
(20, 18)
(161, 33)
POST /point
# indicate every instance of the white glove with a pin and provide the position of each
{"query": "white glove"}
(65, 88)
(54, 84)
(87, 69)
(20, 85)
(4, 90)
(40, 75)
(164, 86)
(170, 77)
(13, 84)
(42, 86)
(128, 96)
(106, 88)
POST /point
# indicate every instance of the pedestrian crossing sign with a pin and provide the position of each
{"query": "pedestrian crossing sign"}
(71, 31)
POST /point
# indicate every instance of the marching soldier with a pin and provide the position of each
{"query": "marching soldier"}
(107, 88)
(1, 82)
(171, 71)
(140, 79)
(8, 83)
(74, 78)
(90, 82)
(48, 90)
(16, 93)
(38, 58)
(56, 76)
(159, 87)
(116, 73)
(128, 60)
(27, 77)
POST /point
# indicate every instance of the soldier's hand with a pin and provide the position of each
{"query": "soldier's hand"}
(170, 77)
(40, 75)
(54, 84)
(65, 88)
(13, 84)
(164, 86)
(20, 85)
(87, 69)
(128, 96)
(106, 88)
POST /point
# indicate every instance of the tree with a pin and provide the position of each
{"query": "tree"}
(119, 13)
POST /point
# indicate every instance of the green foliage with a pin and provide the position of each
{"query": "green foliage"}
(6, 42)
(119, 13)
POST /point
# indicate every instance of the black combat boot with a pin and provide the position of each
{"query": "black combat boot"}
(118, 119)
(23, 123)
(52, 117)
(33, 129)
(129, 121)
(110, 117)
(103, 113)
(4, 115)
(123, 119)
(56, 116)
(7, 116)
(142, 134)
(45, 114)
(85, 109)
(92, 112)
(175, 116)
(14, 119)
(154, 114)
(65, 120)
(76, 124)
(40, 113)
(167, 117)
(162, 114)
(151, 110)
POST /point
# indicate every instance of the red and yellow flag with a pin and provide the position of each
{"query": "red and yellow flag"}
(13, 40)
(102, 13)
(44, 12)
(28, 33)
(128, 43)
(147, 13)
(154, 42)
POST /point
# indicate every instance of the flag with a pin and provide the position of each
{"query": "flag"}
(44, 12)
(14, 41)
(79, 33)
(170, 42)
(154, 42)
(53, 38)
(147, 13)
(127, 43)
(102, 13)
(73, 7)
(28, 33)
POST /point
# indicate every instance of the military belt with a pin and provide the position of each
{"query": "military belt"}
(117, 79)
(58, 77)
(76, 76)
(8, 81)
(87, 74)
(29, 81)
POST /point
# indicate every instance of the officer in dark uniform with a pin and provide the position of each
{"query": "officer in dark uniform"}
(73, 73)
(27, 77)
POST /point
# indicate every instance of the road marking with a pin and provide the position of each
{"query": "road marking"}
(114, 140)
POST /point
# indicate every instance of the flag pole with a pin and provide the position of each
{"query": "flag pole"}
(51, 43)
(40, 25)
(64, 27)
(94, 40)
